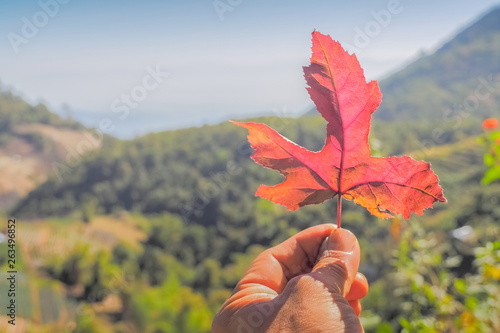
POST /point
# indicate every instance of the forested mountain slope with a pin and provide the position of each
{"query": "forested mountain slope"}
(203, 174)
(32, 141)
(460, 79)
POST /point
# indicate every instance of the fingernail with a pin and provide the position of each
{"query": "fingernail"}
(342, 240)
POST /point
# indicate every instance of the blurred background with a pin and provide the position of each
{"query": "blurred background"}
(134, 197)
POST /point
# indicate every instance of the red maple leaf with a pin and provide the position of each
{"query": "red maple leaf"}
(344, 166)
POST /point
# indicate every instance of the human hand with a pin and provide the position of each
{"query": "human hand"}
(309, 283)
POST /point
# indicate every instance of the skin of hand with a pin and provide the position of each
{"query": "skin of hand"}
(308, 283)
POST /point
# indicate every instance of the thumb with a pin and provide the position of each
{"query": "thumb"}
(338, 261)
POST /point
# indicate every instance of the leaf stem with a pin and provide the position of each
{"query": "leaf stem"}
(339, 211)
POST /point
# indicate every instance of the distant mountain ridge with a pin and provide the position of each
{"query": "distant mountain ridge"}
(460, 79)
(484, 25)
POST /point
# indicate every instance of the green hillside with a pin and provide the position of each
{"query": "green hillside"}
(33, 141)
(203, 174)
(457, 81)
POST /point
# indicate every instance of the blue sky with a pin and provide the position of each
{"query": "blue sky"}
(224, 58)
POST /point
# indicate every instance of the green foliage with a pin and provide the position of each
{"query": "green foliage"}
(72, 268)
(166, 232)
(104, 278)
(122, 253)
(152, 264)
(170, 307)
(491, 142)
(89, 208)
(87, 321)
(435, 297)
